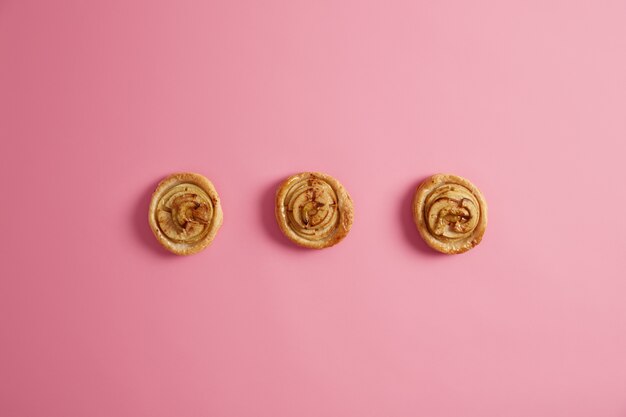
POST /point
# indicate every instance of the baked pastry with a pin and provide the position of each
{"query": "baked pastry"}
(313, 210)
(450, 213)
(185, 213)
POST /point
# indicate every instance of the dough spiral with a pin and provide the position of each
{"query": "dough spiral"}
(185, 213)
(314, 210)
(450, 213)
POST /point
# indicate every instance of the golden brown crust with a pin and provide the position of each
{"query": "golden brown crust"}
(450, 213)
(314, 210)
(185, 213)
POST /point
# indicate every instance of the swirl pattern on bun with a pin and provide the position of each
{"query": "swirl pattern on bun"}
(314, 210)
(185, 213)
(450, 213)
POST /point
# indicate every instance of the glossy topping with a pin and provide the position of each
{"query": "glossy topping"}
(185, 213)
(313, 210)
(450, 213)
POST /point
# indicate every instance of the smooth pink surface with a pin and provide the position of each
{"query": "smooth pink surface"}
(100, 100)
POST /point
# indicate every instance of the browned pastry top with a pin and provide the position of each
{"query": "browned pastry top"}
(185, 213)
(313, 210)
(450, 213)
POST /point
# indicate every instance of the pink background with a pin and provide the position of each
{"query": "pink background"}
(100, 100)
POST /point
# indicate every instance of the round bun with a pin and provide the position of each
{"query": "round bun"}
(314, 210)
(185, 213)
(450, 213)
